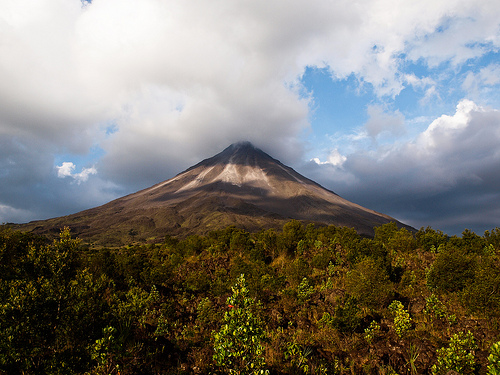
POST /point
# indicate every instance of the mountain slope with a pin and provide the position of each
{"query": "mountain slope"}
(240, 186)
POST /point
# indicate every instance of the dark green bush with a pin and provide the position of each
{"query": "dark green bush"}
(482, 294)
(452, 270)
(369, 284)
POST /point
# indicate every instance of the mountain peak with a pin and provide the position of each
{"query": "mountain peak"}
(242, 186)
(240, 153)
(241, 148)
(242, 145)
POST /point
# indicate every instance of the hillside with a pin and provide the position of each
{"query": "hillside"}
(241, 186)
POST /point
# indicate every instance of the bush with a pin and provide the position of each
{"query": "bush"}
(304, 290)
(372, 331)
(472, 243)
(494, 360)
(402, 319)
(41, 301)
(238, 344)
(347, 318)
(297, 270)
(429, 239)
(395, 239)
(481, 295)
(451, 271)
(435, 308)
(458, 356)
(293, 232)
(369, 284)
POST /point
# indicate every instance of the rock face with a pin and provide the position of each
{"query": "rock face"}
(241, 186)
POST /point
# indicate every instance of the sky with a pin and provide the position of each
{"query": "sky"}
(392, 104)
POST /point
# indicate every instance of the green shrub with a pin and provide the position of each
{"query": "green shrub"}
(402, 319)
(494, 359)
(322, 259)
(372, 331)
(297, 356)
(304, 290)
(395, 239)
(293, 232)
(297, 270)
(458, 356)
(472, 243)
(50, 311)
(482, 294)
(435, 308)
(238, 344)
(104, 350)
(493, 238)
(429, 239)
(347, 317)
(369, 284)
(451, 271)
(205, 311)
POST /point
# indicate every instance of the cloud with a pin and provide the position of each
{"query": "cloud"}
(31, 189)
(382, 122)
(67, 68)
(178, 81)
(480, 84)
(446, 177)
(66, 170)
(14, 214)
(335, 158)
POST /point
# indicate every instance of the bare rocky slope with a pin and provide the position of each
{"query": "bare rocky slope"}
(241, 186)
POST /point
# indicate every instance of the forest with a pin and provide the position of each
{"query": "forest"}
(304, 299)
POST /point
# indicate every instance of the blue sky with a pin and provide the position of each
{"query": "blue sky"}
(340, 115)
(391, 104)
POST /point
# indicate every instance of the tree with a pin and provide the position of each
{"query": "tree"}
(472, 243)
(49, 311)
(238, 344)
(429, 239)
(369, 284)
(293, 232)
(482, 294)
(493, 238)
(451, 271)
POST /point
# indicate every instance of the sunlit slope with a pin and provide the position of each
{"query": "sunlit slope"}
(240, 186)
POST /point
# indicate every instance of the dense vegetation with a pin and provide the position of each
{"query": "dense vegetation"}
(304, 300)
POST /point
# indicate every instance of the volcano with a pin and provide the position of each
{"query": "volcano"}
(241, 186)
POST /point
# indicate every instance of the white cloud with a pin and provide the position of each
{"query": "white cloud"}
(181, 80)
(420, 83)
(66, 170)
(479, 84)
(380, 121)
(430, 94)
(452, 150)
(464, 31)
(335, 158)
(449, 169)
(66, 68)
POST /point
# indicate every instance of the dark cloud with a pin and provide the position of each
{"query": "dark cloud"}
(178, 81)
(31, 188)
(448, 177)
